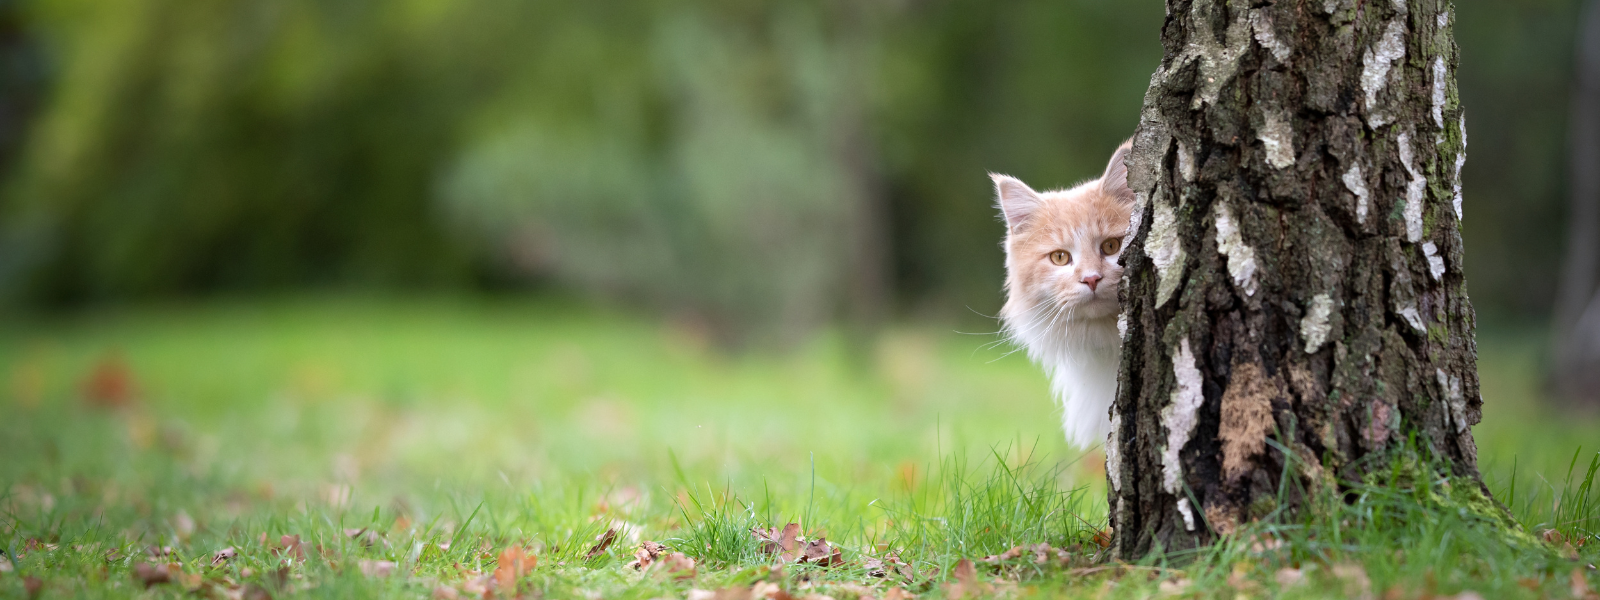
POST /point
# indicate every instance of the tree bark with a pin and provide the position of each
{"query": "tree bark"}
(1577, 315)
(1296, 264)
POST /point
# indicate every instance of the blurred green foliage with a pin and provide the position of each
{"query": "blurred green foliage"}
(756, 166)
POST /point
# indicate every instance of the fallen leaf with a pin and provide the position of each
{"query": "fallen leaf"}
(1264, 543)
(1356, 583)
(1464, 595)
(895, 593)
(366, 537)
(514, 562)
(1103, 538)
(290, 546)
(967, 582)
(160, 552)
(1553, 537)
(149, 574)
(1239, 579)
(601, 543)
(377, 568)
(1172, 587)
(32, 585)
(1014, 553)
(445, 592)
(1580, 585)
(255, 592)
(785, 542)
(223, 556)
(647, 553)
(477, 587)
(818, 552)
(768, 590)
(732, 593)
(680, 565)
(1288, 577)
(110, 383)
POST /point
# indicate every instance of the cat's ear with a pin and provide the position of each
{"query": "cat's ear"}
(1115, 181)
(1016, 200)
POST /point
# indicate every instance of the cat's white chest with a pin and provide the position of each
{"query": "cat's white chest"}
(1081, 359)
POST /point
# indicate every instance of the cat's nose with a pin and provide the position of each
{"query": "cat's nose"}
(1093, 281)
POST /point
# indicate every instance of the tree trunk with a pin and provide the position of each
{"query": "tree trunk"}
(1577, 317)
(1296, 263)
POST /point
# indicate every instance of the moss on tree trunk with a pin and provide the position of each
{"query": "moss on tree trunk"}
(1296, 264)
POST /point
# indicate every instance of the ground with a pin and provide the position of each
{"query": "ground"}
(454, 447)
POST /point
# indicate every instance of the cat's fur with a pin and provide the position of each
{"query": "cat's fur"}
(1066, 324)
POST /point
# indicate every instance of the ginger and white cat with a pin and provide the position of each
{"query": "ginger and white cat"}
(1061, 281)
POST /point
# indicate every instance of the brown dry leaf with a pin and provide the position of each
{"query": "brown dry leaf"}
(290, 546)
(1102, 538)
(1580, 585)
(1014, 553)
(160, 552)
(732, 593)
(223, 556)
(252, 591)
(445, 592)
(365, 536)
(1262, 543)
(767, 590)
(149, 574)
(1356, 583)
(1172, 587)
(110, 384)
(967, 583)
(1553, 537)
(514, 562)
(647, 553)
(477, 587)
(784, 542)
(1464, 595)
(377, 568)
(818, 552)
(1239, 579)
(601, 543)
(895, 593)
(32, 585)
(681, 566)
(1288, 577)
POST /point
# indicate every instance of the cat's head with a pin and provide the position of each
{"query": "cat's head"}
(1062, 246)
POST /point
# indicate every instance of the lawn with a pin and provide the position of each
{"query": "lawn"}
(453, 447)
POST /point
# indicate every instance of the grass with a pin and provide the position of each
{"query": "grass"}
(435, 434)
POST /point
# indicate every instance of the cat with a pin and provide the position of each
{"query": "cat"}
(1062, 272)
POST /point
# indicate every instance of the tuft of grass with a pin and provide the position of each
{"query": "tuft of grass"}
(976, 510)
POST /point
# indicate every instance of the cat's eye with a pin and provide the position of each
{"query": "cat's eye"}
(1060, 257)
(1110, 246)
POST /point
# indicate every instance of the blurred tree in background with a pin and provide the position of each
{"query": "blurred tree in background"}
(761, 167)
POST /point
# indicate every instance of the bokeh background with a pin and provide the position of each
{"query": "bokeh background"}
(299, 245)
(764, 167)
